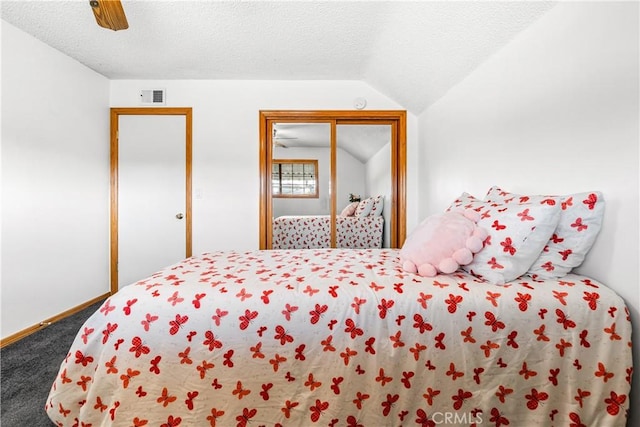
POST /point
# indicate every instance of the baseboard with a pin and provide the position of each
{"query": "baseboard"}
(35, 328)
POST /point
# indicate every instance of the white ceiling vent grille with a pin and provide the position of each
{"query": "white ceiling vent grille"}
(153, 97)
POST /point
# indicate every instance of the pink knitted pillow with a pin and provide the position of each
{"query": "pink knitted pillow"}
(349, 210)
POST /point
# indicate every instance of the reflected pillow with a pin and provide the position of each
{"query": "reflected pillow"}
(378, 204)
(350, 209)
(364, 207)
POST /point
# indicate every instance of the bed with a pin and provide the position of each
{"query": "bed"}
(314, 231)
(343, 337)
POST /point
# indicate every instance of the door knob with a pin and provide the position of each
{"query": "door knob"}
(179, 215)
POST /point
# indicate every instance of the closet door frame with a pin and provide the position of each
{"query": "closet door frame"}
(151, 111)
(396, 118)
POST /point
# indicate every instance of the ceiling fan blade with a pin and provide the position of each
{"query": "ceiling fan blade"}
(109, 14)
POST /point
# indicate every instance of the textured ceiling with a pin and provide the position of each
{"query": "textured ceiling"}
(413, 52)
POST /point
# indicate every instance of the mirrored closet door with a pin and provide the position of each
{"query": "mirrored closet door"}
(363, 185)
(332, 179)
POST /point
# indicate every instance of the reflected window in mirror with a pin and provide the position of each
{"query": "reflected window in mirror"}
(294, 178)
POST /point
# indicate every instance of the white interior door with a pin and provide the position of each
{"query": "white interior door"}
(151, 194)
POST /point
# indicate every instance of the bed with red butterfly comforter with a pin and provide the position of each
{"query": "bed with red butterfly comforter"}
(335, 337)
(314, 231)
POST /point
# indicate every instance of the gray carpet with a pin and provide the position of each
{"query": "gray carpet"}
(29, 367)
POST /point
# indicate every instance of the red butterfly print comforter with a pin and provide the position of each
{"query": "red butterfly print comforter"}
(308, 232)
(337, 337)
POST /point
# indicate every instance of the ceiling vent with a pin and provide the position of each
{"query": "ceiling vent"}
(153, 97)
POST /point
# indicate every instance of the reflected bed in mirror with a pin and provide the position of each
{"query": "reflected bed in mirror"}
(359, 226)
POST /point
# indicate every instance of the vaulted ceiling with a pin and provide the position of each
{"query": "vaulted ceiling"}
(413, 52)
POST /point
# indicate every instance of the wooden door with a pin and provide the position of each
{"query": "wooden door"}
(151, 192)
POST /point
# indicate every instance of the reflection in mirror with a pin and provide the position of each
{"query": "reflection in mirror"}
(363, 173)
(301, 198)
(301, 220)
(280, 129)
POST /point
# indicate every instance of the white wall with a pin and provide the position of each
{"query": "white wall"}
(351, 177)
(378, 171)
(225, 144)
(55, 182)
(554, 112)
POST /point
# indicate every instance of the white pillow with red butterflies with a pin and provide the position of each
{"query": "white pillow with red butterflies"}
(364, 207)
(376, 207)
(580, 222)
(517, 235)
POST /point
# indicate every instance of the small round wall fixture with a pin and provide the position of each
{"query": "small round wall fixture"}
(359, 103)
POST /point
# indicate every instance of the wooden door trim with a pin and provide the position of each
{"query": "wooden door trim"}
(396, 118)
(134, 111)
(334, 184)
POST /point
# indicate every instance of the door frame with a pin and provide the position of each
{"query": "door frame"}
(398, 121)
(154, 111)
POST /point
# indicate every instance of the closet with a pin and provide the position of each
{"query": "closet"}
(314, 163)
